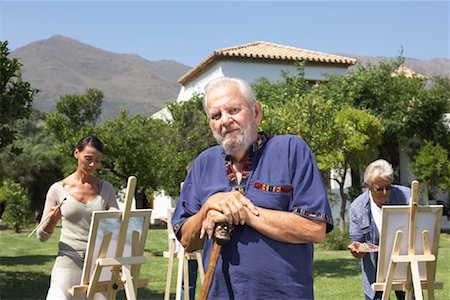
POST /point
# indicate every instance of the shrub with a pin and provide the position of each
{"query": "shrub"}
(17, 210)
(336, 239)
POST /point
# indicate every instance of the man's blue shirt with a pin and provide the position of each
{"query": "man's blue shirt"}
(283, 176)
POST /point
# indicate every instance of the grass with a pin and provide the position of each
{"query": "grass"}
(25, 266)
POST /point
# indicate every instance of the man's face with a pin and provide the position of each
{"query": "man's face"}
(234, 124)
(380, 190)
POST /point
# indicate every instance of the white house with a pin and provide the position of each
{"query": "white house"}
(260, 59)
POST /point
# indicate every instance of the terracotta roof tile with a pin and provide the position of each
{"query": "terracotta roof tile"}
(267, 51)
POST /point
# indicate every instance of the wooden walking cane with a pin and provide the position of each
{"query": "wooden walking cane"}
(222, 235)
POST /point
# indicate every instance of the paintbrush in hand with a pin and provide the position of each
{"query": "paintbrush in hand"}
(47, 217)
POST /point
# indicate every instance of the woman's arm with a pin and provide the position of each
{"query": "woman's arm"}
(51, 202)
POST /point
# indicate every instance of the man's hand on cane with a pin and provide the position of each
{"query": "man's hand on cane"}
(228, 208)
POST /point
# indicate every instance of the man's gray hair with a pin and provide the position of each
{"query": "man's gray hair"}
(379, 168)
(244, 88)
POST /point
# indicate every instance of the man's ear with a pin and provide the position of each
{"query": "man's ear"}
(257, 112)
(75, 153)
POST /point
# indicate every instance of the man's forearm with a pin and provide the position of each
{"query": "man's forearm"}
(190, 232)
(287, 227)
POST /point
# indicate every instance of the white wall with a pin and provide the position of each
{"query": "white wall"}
(161, 202)
(406, 175)
(251, 71)
(198, 85)
(347, 182)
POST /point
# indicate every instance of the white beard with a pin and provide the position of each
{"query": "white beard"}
(236, 141)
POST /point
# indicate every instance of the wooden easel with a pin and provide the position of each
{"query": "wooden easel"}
(413, 283)
(124, 270)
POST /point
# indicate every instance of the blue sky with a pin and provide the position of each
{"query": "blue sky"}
(188, 31)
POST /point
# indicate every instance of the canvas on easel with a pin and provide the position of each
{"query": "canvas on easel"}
(409, 248)
(115, 251)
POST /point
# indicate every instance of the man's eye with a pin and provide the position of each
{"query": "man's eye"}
(235, 110)
(215, 116)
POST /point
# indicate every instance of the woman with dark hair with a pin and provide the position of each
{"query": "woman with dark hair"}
(72, 200)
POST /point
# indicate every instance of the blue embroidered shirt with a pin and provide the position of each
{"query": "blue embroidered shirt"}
(283, 176)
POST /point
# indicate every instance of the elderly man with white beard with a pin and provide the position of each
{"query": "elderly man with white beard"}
(269, 188)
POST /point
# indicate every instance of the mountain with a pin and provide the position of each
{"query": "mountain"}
(427, 68)
(59, 65)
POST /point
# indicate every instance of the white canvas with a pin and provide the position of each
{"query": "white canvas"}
(397, 218)
(104, 221)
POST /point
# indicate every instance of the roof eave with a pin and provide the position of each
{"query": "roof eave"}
(217, 56)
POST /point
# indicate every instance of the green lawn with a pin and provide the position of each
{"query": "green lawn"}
(25, 265)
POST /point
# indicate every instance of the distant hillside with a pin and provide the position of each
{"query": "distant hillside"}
(428, 68)
(58, 66)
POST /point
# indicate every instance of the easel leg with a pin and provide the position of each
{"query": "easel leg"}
(392, 265)
(112, 291)
(408, 284)
(135, 250)
(186, 277)
(416, 280)
(130, 290)
(169, 270)
(389, 279)
(430, 266)
(179, 274)
(98, 269)
(94, 279)
(200, 266)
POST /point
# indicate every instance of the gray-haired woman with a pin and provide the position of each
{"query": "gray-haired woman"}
(365, 219)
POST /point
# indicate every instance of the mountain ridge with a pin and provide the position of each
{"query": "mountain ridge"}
(70, 67)
(60, 65)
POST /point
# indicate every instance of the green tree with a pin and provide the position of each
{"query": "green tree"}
(75, 116)
(191, 135)
(359, 133)
(406, 107)
(431, 165)
(410, 108)
(38, 165)
(17, 211)
(424, 116)
(136, 146)
(274, 93)
(339, 135)
(16, 96)
(156, 151)
(310, 117)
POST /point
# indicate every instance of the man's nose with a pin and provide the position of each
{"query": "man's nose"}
(226, 119)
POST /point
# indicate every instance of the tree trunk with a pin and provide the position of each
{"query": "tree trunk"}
(343, 199)
(141, 198)
(343, 206)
